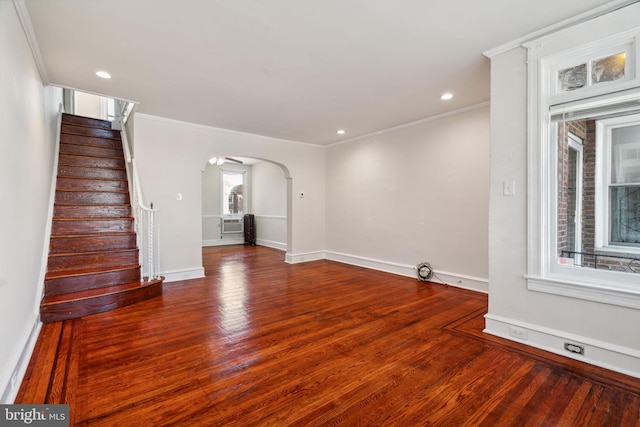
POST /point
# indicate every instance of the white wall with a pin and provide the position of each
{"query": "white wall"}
(27, 135)
(171, 156)
(89, 105)
(609, 333)
(269, 205)
(412, 195)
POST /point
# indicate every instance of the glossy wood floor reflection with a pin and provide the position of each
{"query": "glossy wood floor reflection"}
(260, 342)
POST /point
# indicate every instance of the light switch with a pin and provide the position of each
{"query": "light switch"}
(509, 188)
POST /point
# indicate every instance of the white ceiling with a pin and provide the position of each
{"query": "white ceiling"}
(292, 69)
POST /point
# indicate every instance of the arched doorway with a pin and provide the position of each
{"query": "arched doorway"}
(265, 191)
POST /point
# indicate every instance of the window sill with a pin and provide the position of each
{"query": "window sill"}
(615, 294)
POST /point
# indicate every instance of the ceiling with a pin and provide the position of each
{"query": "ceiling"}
(292, 69)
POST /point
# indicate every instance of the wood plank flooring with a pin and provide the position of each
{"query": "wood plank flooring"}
(262, 343)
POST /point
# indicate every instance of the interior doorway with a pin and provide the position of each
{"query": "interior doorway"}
(266, 193)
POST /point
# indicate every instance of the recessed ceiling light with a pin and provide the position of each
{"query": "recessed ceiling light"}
(446, 96)
(103, 74)
(341, 132)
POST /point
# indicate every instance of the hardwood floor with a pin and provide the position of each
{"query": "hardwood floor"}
(260, 342)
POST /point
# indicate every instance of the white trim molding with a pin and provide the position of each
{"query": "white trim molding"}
(20, 361)
(223, 242)
(303, 257)
(558, 26)
(447, 278)
(273, 217)
(184, 274)
(227, 131)
(599, 353)
(604, 292)
(27, 27)
(271, 244)
(411, 124)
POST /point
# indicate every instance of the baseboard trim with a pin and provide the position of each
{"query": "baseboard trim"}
(447, 278)
(185, 274)
(451, 279)
(303, 257)
(599, 353)
(222, 242)
(22, 357)
(271, 244)
(462, 281)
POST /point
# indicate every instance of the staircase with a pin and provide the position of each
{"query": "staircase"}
(93, 263)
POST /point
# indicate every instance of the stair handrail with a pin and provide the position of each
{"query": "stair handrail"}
(145, 217)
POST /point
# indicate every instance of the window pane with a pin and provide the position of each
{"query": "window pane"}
(572, 78)
(232, 197)
(625, 155)
(625, 215)
(608, 69)
(572, 199)
(571, 136)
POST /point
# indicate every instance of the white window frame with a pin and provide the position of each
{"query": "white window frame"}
(224, 201)
(580, 44)
(604, 130)
(575, 143)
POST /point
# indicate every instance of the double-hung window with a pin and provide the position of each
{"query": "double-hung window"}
(232, 202)
(618, 219)
(584, 164)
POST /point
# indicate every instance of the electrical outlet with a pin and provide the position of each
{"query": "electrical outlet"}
(574, 348)
(518, 333)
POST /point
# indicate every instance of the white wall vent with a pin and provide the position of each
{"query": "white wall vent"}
(232, 225)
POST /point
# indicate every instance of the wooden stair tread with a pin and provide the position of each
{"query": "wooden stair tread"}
(90, 155)
(71, 132)
(87, 144)
(87, 271)
(93, 293)
(105, 138)
(106, 251)
(97, 219)
(102, 235)
(93, 204)
(77, 120)
(89, 131)
(90, 149)
(89, 161)
(120, 168)
(91, 218)
(91, 178)
(80, 190)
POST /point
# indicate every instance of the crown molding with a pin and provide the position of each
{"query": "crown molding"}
(412, 124)
(223, 130)
(27, 27)
(558, 26)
